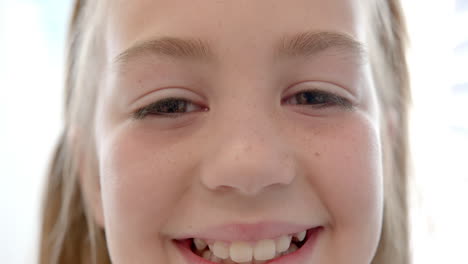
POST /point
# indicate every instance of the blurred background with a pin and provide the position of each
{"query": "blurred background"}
(32, 34)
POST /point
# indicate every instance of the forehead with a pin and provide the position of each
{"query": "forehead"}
(230, 24)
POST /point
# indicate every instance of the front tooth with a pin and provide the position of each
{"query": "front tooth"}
(264, 249)
(290, 250)
(283, 243)
(206, 254)
(228, 261)
(300, 236)
(215, 259)
(220, 249)
(199, 244)
(241, 252)
(293, 249)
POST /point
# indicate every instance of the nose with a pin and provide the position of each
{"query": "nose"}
(248, 157)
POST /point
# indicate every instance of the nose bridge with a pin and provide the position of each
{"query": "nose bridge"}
(249, 154)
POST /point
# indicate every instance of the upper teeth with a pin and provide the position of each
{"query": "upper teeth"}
(240, 251)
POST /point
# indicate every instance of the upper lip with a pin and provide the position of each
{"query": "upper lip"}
(247, 232)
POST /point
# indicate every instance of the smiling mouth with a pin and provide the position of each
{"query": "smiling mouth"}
(253, 252)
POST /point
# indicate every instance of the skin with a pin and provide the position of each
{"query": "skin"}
(250, 157)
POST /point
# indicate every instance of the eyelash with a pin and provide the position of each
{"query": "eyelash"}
(168, 103)
(172, 104)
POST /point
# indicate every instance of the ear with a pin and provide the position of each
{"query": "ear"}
(88, 175)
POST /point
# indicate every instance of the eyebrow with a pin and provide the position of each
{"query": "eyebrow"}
(166, 46)
(310, 43)
(298, 45)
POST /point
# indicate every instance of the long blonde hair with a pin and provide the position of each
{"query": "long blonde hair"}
(69, 233)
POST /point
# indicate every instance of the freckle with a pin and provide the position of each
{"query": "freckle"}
(317, 154)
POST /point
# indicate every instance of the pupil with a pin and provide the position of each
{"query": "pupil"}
(311, 98)
(172, 106)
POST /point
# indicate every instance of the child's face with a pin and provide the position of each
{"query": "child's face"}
(275, 131)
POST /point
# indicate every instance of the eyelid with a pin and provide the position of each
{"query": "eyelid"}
(326, 87)
(168, 92)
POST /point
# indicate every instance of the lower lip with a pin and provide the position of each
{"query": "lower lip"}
(297, 257)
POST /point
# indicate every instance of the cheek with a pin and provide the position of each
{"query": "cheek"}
(356, 182)
(140, 181)
(346, 172)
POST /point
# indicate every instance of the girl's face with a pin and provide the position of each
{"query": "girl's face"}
(238, 124)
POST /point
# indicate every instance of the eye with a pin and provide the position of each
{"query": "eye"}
(318, 99)
(169, 107)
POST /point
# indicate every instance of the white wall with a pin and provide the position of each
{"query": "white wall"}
(439, 132)
(31, 44)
